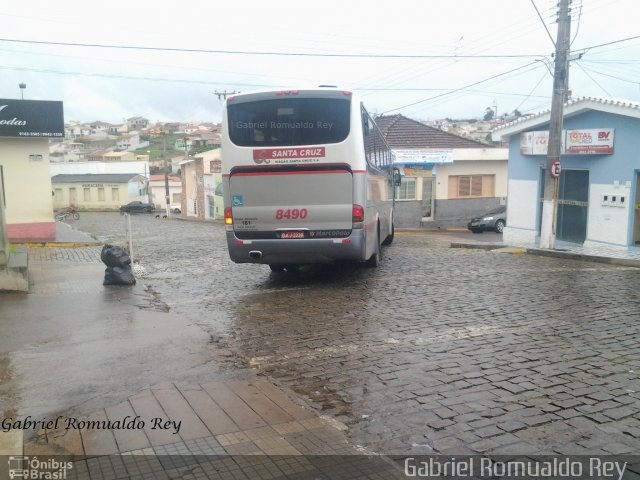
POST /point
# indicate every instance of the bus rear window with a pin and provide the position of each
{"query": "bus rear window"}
(289, 122)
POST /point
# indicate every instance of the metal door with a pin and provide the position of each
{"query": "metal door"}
(636, 215)
(573, 205)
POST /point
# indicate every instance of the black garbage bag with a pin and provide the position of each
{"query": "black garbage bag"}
(118, 262)
(119, 276)
(114, 256)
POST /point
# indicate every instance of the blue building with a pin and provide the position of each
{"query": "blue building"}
(599, 192)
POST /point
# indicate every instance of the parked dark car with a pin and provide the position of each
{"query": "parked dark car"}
(495, 220)
(136, 207)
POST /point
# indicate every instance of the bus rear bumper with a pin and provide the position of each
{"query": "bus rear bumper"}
(297, 251)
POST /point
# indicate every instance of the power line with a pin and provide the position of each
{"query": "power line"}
(592, 79)
(532, 90)
(129, 77)
(205, 82)
(461, 88)
(612, 76)
(244, 52)
(544, 24)
(585, 49)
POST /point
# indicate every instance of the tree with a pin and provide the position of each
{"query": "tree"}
(516, 113)
(488, 114)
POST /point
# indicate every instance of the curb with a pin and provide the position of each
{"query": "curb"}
(478, 246)
(626, 262)
(61, 244)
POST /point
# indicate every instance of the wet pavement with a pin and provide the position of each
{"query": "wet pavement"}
(439, 350)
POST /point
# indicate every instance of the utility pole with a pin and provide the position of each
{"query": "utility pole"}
(166, 173)
(561, 71)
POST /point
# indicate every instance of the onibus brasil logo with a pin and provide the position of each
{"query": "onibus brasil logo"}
(33, 468)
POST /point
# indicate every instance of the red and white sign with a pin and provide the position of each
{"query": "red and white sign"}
(555, 169)
(266, 155)
(589, 142)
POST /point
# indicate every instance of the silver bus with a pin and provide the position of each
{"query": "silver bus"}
(307, 178)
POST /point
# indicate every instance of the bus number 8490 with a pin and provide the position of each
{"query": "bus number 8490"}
(291, 214)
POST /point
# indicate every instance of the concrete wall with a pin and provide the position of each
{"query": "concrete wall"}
(27, 184)
(407, 214)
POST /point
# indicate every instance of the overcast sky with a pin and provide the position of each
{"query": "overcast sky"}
(467, 55)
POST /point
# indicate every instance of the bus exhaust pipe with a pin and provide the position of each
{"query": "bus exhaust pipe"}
(255, 255)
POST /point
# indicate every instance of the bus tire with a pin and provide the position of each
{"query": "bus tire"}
(389, 239)
(374, 260)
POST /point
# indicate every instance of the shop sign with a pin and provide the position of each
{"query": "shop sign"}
(421, 156)
(31, 119)
(589, 142)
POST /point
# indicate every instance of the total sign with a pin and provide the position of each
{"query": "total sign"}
(555, 169)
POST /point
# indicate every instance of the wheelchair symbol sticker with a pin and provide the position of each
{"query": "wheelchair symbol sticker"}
(237, 201)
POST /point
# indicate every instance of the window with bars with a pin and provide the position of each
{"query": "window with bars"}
(407, 189)
(471, 186)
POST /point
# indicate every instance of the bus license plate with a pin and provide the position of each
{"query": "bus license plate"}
(292, 235)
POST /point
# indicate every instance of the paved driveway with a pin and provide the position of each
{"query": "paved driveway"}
(437, 351)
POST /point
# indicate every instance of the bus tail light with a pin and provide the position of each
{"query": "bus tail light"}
(357, 216)
(228, 217)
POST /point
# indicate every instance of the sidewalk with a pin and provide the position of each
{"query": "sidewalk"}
(233, 425)
(240, 429)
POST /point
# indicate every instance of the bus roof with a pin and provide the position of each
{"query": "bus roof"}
(317, 92)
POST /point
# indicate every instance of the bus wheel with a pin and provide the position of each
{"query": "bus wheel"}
(389, 239)
(276, 268)
(374, 260)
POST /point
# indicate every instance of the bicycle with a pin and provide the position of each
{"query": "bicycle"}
(67, 212)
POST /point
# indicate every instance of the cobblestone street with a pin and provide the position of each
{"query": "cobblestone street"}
(439, 350)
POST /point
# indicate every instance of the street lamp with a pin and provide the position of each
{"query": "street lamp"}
(22, 87)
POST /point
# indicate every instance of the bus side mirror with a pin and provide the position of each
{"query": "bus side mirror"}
(397, 178)
(365, 125)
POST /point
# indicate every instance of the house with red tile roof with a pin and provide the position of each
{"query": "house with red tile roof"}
(447, 179)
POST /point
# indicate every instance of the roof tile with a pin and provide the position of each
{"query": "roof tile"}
(401, 132)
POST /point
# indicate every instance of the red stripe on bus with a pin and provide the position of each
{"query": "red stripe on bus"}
(304, 172)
